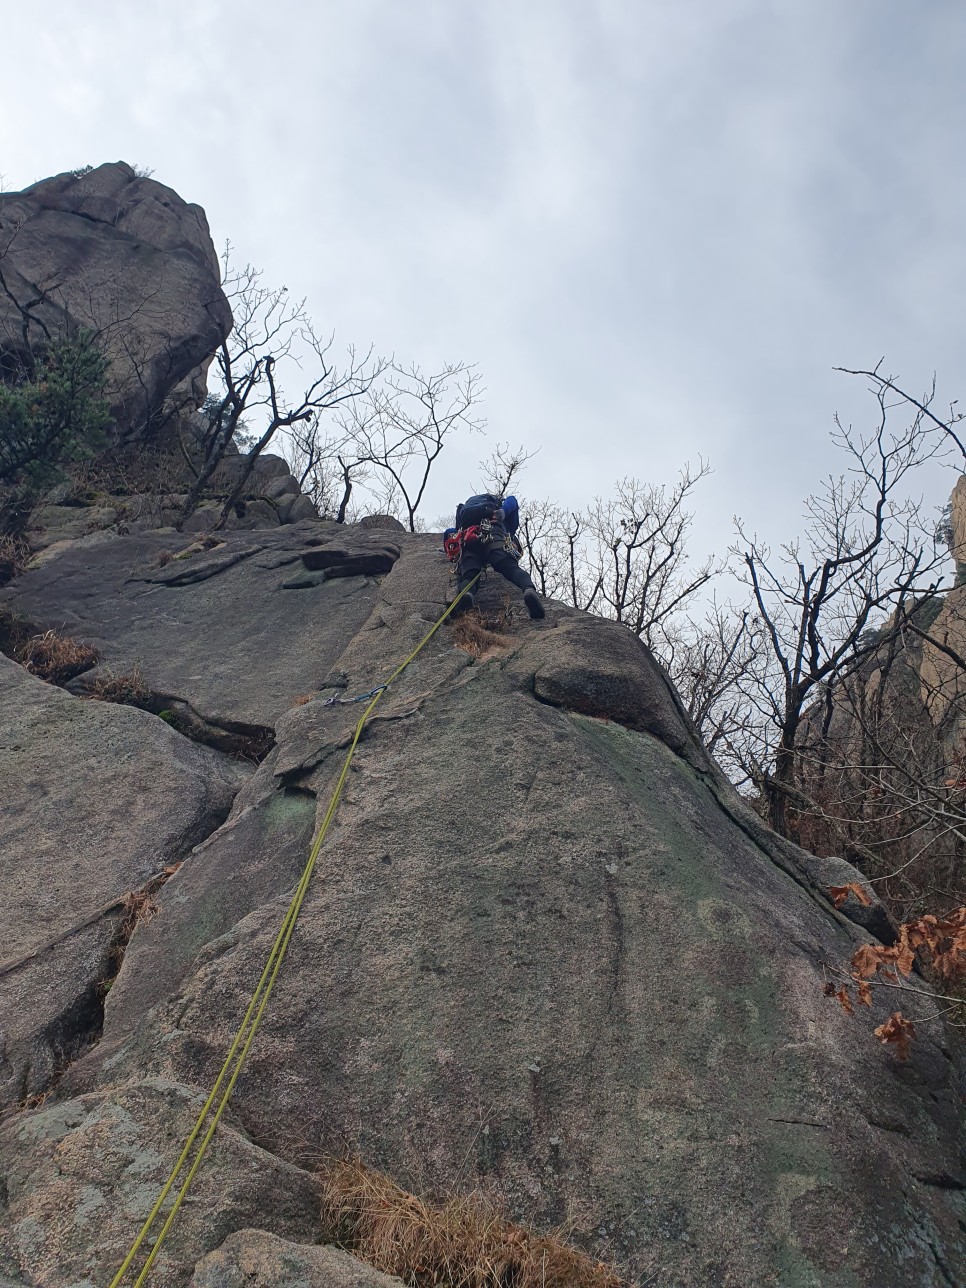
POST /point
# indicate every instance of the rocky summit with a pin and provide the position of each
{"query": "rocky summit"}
(119, 254)
(547, 955)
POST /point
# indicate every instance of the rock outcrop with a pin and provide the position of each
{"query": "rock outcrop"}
(73, 870)
(546, 951)
(121, 255)
(67, 514)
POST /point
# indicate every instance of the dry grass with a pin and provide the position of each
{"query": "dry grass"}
(13, 558)
(15, 631)
(138, 908)
(128, 689)
(56, 658)
(463, 1242)
(475, 635)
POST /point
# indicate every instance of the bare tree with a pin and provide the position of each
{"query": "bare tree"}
(623, 557)
(502, 466)
(881, 773)
(543, 531)
(272, 336)
(717, 664)
(868, 552)
(321, 459)
(883, 384)
(392, 436)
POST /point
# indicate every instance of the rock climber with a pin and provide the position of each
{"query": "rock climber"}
(485, 536)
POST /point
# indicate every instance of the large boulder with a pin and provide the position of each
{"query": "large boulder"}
(74, 876)
(546, 952)
(119, 254)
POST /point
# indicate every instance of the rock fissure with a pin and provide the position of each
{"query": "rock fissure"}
(78, 1027)
(801, 879)
(235, 738)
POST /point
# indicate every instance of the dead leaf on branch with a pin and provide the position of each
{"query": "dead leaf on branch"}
(841, 995)
(839, 894)
(843, 999)
(944, 940)
(941, 944)
(866, 961)
(899, 1032)
(870, 958)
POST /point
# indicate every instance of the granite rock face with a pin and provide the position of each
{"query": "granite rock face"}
(105, 1157)
(70, 867)
(121, 255)
(257, 1259)
(546, 951)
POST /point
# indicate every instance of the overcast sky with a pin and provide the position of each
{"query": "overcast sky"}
(656, 225)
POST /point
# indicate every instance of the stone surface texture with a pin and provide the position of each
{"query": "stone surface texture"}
(105, 1158)
(257, 1259)
(119, 254)
(68, 863)
(546, 951)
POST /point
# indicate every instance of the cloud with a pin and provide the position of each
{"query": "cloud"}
(656, 224)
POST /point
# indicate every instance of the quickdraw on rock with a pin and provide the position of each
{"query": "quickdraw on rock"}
(347, 702)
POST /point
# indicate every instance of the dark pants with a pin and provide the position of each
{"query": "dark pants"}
(476, 557)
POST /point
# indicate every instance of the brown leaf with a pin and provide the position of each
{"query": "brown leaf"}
(866, 960)
(839, 894)
(905, 958)
(841, 995)
(898, 1031)
(864, 990)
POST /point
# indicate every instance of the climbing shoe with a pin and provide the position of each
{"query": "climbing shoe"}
(532, 601)
(464, 605)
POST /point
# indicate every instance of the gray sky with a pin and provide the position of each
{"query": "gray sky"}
(655, 224)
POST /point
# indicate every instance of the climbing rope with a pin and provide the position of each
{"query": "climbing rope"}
(224, 1084)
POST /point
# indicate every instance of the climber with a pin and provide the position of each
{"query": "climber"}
(485, 534)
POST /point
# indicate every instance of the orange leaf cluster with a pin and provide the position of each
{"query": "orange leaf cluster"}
(839, 894)
(940, 940)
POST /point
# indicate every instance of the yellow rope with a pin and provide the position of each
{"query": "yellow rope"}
(242, 1040)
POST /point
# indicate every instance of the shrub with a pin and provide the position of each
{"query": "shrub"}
(463, 1242)
(52, 410)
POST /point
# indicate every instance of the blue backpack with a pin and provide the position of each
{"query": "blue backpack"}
(477, 508)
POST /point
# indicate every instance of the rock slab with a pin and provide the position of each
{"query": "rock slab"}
(544, 952)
